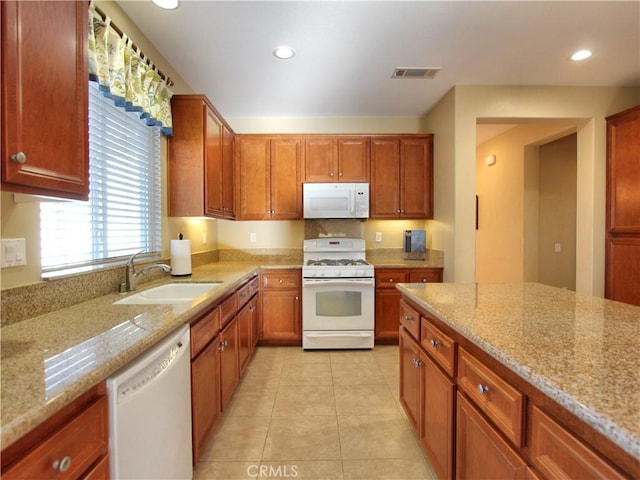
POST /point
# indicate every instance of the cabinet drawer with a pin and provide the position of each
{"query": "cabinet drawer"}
(438, 345)
(556, 453)
(203, 330)
(280, 279)
(81, 442)
(244, 294)
(502, 403)
(389, 278)
(228, 309)
(254, 286)
(425, 276)
(410, 319)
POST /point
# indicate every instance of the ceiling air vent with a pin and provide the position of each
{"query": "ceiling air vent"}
(412, 72)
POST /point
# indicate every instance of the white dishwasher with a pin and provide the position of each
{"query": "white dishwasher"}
(150, 413)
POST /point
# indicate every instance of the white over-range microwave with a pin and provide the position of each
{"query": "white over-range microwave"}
(335, 200)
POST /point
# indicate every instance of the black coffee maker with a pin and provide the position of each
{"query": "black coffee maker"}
(415, 244)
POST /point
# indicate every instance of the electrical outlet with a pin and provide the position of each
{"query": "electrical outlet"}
(204, 238)
(378, 237)
(252, 237)
(557, 248)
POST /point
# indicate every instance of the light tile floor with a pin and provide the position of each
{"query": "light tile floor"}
(316, 415)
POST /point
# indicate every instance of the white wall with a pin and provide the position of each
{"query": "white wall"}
(587, 106)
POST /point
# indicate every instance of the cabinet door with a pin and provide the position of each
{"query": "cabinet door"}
(281, 319)
(387, 313)
(228, 198)
(229, 372)
(213, 167)
(245, 346)
(480, 451)
(385, 177)
(286, 179)
(416, 177)
(45, 98)
(353, 159)
(252, 171)
(205, 395)
(320, 159)
(437, 414)
(410, 389)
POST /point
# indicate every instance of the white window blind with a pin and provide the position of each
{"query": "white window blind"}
(123, 214)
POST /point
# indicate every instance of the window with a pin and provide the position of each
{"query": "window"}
(123, 213)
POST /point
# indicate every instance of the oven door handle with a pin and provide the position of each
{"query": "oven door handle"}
(338, 334)
(338, 282)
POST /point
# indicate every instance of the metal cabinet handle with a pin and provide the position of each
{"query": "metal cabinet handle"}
(340, 174)
(483, 388)
(19, 157)
(424, 280)
(398, 211)
(281, 281)
(417, 362)
(331, 174)
(391, 280)
(407, 318)
(297, 298)
(62, 465)
(434, 343)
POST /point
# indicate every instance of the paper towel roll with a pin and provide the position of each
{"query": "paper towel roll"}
(180, 258)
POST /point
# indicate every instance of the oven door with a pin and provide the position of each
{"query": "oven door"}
(338, 304)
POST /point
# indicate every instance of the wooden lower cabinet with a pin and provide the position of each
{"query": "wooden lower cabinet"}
(480, 450)
(436, 427)
(280, 307)
(410, 382)
(428, 398)
(205, 395)
(245, 341)
(72, 444)
(556, 453)
(229, 368)
(387, 303)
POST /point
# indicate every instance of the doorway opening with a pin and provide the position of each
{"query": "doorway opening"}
(526, 176)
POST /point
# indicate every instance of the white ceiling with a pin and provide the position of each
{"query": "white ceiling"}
(347, 50)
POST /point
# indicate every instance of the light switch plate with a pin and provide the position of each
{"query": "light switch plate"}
(13, 252)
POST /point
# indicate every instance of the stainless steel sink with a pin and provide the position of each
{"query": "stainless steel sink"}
(170, 293)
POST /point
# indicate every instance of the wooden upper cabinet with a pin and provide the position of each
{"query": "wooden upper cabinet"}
(252, 177)
(402, 176)
(336, 159)
(285, 177)
(45, 98)
(200, 160)
(622, 281)
(268, 177)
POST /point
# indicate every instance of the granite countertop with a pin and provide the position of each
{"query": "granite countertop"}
(581, 351)
(35, 383)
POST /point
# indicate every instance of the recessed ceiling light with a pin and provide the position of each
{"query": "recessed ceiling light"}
(581, 55)
(166, 4)
(284, 53)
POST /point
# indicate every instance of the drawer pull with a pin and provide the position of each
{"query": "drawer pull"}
(417, 362)
(434, 343)
(62, 465)
(19, 157)
(483, 388)
(280, 281)
(391, 280)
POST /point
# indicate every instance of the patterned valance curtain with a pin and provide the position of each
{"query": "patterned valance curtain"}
(125, 76)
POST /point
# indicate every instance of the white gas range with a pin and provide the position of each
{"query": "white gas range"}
(337, 294)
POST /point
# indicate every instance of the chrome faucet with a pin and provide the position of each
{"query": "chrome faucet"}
(132, 277)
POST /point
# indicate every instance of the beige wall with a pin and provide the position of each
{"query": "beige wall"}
(441, 122)
(586, 106)
(557, 213)
(500, 238)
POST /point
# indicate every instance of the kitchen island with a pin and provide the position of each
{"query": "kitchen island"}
(565, 351)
